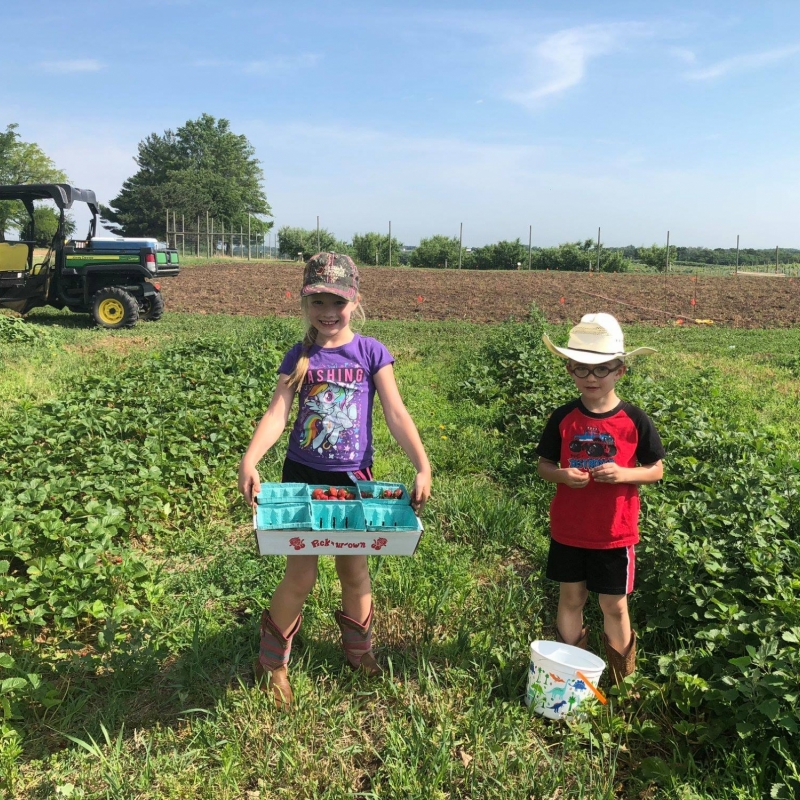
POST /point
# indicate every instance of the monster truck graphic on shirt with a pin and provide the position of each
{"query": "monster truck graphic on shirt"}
(595, 445)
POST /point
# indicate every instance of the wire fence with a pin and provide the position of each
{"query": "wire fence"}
(211, 238)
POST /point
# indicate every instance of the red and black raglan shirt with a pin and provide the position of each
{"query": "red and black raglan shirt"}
(601, 515)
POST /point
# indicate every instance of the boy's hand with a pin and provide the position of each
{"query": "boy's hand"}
(608, 473)
(575, 478)
(420, 491)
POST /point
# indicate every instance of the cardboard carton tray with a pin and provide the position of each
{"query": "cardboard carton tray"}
(337, 543)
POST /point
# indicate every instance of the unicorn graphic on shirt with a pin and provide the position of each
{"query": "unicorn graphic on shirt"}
(331, 411)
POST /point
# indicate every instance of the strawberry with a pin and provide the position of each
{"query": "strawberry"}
(317, 494)
(387, 494)
(333, 492)
(398, 493)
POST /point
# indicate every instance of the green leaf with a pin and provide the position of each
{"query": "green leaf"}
(10, 684)
(770, 708)
(655, 769)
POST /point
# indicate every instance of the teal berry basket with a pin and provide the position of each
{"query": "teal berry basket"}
(284, 517)
(282, 493)
(338, 515)
(370, 491)
(389, 517)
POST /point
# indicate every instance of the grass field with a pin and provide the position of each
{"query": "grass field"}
(160, 704)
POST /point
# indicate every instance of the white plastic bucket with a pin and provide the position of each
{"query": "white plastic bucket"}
(555, 690)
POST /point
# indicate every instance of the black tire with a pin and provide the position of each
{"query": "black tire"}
(594, 450)
(152, 308)
(114, 308)
(575, 447)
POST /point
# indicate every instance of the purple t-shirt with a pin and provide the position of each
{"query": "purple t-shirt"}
(333, 429)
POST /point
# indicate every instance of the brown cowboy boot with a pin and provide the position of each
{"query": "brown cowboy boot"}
(273, 657)
(357, 643)
(583, 639)
(621, 665)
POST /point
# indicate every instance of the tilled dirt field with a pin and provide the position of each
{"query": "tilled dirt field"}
(267, 288)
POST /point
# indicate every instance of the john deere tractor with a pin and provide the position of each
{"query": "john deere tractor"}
(113, 279)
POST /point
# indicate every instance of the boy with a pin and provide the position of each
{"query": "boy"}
(598, 449)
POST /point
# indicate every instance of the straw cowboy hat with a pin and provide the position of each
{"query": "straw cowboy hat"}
(597, 338)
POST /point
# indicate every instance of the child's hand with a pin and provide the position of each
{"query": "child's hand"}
(608, 473)
(575, 478)
(420, 491)
(249, 483)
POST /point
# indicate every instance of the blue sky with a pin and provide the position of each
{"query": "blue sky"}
(635, 117)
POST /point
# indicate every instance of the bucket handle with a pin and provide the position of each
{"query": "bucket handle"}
(597, 693)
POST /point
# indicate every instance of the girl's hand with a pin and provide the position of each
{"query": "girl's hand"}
(249, 483)
(575, 478)
(420, 491)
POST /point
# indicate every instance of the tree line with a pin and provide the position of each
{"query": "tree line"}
(443, 252)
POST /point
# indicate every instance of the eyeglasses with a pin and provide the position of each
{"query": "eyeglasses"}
(600, 371)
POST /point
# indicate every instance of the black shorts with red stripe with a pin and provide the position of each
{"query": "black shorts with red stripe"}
(609, 571)
(295, 472)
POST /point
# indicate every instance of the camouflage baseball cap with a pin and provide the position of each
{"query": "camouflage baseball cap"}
(331, 273)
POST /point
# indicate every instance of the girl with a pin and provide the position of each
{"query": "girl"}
(336, 372)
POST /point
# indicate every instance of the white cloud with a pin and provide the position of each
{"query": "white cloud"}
(743, 63)
(559, 62)
(75, 65)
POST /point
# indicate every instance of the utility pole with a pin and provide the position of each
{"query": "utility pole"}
(598, 250)
(530, 240)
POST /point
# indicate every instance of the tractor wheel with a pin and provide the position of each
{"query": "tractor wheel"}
(113, 307)
(152, 307)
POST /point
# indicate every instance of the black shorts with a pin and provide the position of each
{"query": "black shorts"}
(294, 472)
(605, 571)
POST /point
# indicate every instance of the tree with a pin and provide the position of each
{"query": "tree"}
(292, 241)
(579, 257)
(373, 248)
(656, 257)
(46, 224)
(203, 167)
(22, 162)
(501, 255)
(437, 251)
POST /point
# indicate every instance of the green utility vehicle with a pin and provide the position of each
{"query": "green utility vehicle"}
(114, 279)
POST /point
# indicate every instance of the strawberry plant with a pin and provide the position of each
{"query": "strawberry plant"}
(121, 457)
(717, 587)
